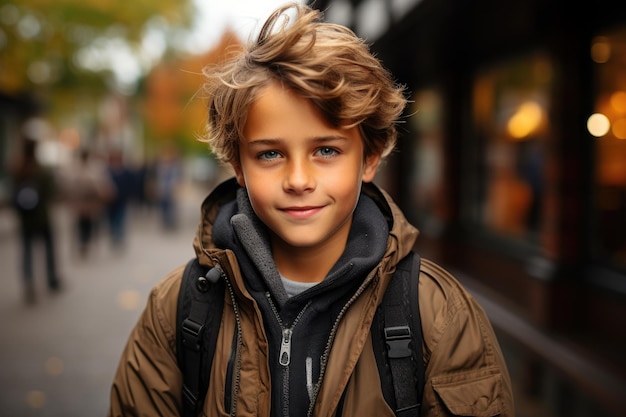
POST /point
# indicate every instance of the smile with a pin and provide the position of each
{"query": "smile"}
(302, 212)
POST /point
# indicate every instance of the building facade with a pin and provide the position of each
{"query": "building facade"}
(512, 163)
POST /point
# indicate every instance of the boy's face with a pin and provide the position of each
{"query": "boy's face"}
(303, 176)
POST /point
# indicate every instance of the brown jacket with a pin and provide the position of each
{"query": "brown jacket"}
(466, 373)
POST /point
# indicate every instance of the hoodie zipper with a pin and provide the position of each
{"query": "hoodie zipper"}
(284, 356)
(285, 350)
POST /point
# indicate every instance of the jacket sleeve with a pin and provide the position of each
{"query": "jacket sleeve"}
(147, 381)
(466, 374)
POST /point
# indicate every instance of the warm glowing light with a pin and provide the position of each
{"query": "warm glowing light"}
(618, 101)
(525, 121)
(54, 366)
(601, 50)
(36, 399)
(619, 128)
(598, 125)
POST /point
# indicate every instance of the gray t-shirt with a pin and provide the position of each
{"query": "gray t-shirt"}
(294, 287)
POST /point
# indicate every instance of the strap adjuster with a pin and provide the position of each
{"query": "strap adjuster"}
(192, 333)
(398, 339)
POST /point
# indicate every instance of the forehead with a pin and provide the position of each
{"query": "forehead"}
(280, 112)
(276, 93)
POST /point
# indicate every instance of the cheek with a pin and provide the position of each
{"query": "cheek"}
(344, 185)
(261, 205)
(259, 193)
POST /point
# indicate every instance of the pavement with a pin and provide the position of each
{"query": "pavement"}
(58, 356)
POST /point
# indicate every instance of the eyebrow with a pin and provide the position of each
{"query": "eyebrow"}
(319, 140)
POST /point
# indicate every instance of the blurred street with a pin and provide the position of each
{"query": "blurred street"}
(58, 356)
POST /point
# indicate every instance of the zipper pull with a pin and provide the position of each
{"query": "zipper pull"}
(285, 348)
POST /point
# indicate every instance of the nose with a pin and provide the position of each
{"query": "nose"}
(299, 176)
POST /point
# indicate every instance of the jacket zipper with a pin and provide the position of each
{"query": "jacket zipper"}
(234, 388)
(284, 356)
(329, 344)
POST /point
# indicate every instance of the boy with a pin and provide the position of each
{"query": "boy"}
(307, 246)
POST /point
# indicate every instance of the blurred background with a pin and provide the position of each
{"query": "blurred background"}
(511, 161)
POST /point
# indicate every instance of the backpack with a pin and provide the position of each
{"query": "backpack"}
(398, 350)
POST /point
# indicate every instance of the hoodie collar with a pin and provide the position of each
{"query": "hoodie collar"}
(225, 200)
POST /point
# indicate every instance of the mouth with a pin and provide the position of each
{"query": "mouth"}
(302, 212)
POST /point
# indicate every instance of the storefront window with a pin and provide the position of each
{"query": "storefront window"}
(511, 107)
(607, 127)
(427, 173)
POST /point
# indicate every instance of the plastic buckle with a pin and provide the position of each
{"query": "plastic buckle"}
(398, 339)
(192, 333)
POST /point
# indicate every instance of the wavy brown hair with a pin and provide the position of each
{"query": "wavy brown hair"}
(323, 62)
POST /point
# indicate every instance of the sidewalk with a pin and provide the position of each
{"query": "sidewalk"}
(58, 357)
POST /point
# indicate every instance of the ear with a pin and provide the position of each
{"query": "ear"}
(239, 174)
(370, 167)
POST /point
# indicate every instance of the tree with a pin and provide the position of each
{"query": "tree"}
(56, 50)
(174, 106)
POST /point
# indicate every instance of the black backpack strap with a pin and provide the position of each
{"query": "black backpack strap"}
(399, 352)
(198, 315)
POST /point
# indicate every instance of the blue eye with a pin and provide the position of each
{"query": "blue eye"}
(327, 152)
(269, 155)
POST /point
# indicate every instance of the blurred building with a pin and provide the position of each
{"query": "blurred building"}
(512, 162)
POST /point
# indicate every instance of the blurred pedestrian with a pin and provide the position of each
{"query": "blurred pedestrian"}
(124, 183)
(168, 178)
(33, 191)
(88, 189)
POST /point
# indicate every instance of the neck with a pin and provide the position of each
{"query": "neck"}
(305, 264)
